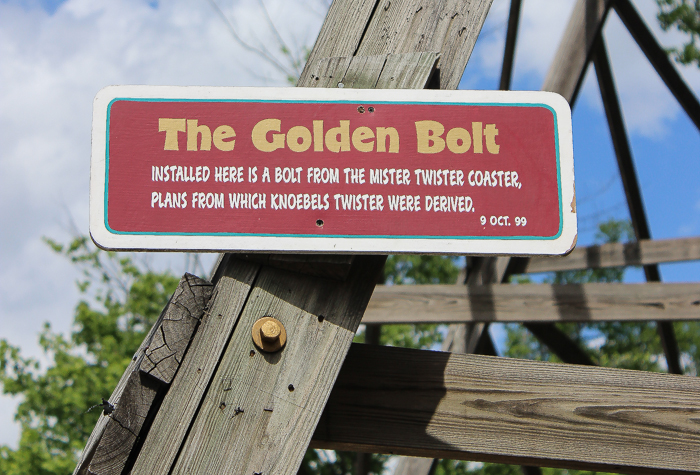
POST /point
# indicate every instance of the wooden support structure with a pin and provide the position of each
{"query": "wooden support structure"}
(630, 183)
(199, 397)
(644, 252)
(112, 442)
(239, 411)
(564, 77)
(535, 303)
(421, 403)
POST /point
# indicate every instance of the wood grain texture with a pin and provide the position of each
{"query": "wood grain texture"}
(181, 403)
(96, 436)
(333, 266)
(260, 409)
(407, 71)
(566, 73)
(324, 72)
(338, 36)
(658, 251)
(450, 27)
(114, 436)
(408, 26)
(363, 72)
(165, 353)
(533, 303)
(412, 402)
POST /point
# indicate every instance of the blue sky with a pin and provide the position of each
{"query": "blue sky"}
(56, 55)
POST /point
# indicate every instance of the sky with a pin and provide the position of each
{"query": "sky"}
(55, 55)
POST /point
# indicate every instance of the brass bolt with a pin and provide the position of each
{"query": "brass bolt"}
(270, 331)
(269, 334)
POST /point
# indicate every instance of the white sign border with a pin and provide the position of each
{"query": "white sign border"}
(108, 240)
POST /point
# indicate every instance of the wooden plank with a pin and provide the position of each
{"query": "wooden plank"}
(659, 59)
(179, 406)
(407, 26)
(533, 303)
(169, 344)
(363, 72)
(646, 251)
(333, 266)
(95, 438)
(338, 37)
(418, 403)
(325, 72)
(566, 73)
(259, 412)
(116, 433)
(407, 71)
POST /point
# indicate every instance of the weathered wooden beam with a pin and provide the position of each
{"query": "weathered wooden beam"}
(568, 68)
(537, 303)
(644, 252)
(565, 77)
(403, 26)
(630, 183)
(109, 448)
(419, 403)
(658, 59)
(180, 405)
(259, 409)
(254, 412)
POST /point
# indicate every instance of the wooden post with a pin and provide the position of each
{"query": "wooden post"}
(237, 410)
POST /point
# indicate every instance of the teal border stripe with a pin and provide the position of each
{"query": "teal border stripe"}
(282, 101)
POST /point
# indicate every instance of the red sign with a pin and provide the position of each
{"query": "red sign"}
(332, 170)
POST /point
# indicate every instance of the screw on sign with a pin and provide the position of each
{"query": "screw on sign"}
(332, 170)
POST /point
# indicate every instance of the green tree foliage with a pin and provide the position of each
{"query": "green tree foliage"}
(420, 269)
(628, 345)
(121, 300)
(120, 303)
(683, 15)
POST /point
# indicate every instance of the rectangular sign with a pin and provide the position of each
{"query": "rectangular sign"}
(332, 170)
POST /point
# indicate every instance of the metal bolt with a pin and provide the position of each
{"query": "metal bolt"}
(270, 331)
(269, 335)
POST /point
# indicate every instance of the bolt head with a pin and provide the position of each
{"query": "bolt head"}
(269, 335)
(270, 331)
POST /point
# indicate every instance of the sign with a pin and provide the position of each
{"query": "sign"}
(332, 170)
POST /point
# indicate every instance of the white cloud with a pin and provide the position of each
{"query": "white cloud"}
(51, 68)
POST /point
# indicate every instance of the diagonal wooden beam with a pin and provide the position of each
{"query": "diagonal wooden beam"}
(658, 58)
(532, 303)
(255, 413)
(630, 183)
(565, 77)
(509, 52)
(568, 68)
(418, 403)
